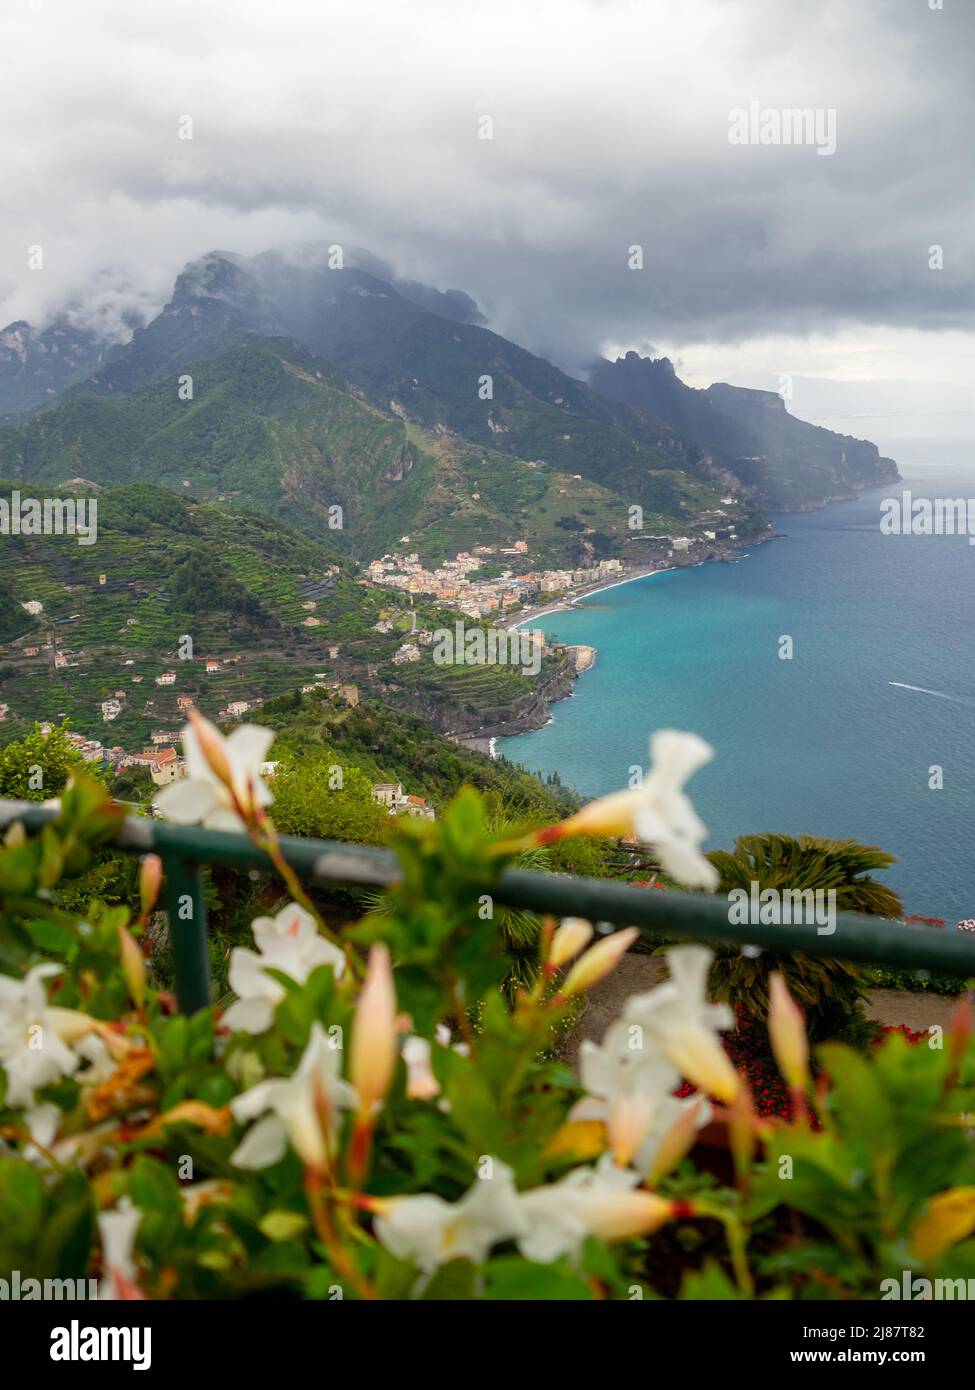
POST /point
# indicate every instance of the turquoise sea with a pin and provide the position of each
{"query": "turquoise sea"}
(824, 743)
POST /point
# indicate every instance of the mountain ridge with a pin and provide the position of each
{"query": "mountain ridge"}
(271, 427)
(426, 357)
(789, 463)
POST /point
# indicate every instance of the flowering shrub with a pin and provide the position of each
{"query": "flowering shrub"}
(913, 1035)
(371, 1117)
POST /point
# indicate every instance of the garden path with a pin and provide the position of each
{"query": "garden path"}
(637, 972)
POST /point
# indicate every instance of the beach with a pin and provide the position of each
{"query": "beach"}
(587, 591)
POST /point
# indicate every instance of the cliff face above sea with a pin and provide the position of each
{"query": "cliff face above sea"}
(526, 711)
(787, 463)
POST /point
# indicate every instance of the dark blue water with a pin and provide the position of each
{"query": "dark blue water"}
(823, 744)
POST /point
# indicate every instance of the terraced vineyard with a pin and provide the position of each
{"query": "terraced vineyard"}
(172, 583)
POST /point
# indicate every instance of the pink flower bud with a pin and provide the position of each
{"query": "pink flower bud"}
(629, 1120)
(373, 1053)
(787, 1033)
(609, 815)
(678, 1141)
(598, 961)
(133, 965)
(150, 879)
(572, 936)
(622, 1215)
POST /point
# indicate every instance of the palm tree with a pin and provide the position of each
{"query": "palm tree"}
(829, 990)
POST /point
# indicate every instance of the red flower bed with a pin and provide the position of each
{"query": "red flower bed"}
(748, 1047)
(911, 1034)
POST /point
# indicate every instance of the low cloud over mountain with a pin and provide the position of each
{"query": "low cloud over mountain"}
(609, 125)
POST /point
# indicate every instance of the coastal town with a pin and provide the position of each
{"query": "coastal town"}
(459, 583)
(487, 583)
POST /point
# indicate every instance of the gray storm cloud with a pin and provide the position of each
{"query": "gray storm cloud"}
(359, 123)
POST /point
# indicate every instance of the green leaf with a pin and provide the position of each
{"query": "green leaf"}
(455, 1280)
(174, 1046)
(51, 936)
(283, 1225)
(709, 1284)
(512, 1278)
(21, 1200)
(859, 1102)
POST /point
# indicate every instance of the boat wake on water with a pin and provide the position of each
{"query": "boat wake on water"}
(922, 690)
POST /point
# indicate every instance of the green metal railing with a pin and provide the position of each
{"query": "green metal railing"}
(184, 849)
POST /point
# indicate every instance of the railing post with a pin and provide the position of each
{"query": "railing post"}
(188, 933)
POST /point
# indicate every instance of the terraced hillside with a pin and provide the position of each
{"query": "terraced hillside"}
(269, 607)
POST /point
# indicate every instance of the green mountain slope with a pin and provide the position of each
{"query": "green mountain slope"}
(422, 366)
(392, 745)
(270, 427)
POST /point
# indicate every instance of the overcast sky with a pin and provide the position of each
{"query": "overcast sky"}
(358, 122)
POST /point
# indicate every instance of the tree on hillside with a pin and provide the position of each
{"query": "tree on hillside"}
(133, 784)
(202, 583)
(38, 766)
(322, 798)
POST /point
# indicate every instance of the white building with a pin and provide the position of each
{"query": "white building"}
(409, 651)
(388, 794)
(400, 803)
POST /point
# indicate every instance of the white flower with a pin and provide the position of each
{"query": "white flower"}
(546, 1223)
(638, 1123)
(417, 1054)
(665, 817)
(421, 1084)
(682, 1025)
(34, 1036)
(429, 1231)
(598, 1201)
(201, 798)
(622, 1065)
(101, 1063)
(667, 1033)
(298, 1105)
(658, 812)
(117, 1230)
(288, 942)
(629, 1087)
(665, 1116)
(42, 1124)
